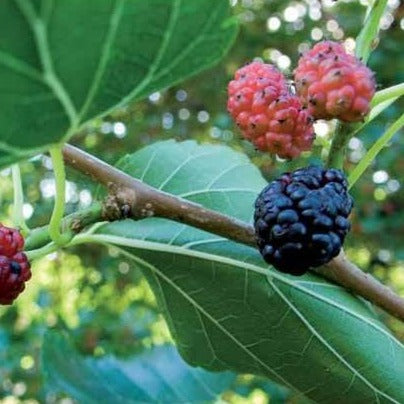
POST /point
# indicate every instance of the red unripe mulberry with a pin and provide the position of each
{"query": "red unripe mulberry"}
(266, 112)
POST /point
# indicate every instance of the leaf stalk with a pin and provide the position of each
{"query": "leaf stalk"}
(60, 196)
(18, 207)
(375, 150)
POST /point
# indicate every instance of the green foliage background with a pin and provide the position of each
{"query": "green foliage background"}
(104, 303)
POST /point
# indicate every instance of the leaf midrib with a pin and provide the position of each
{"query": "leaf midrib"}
(189, 47)
(106, 51)
(314, 332)
(171, 249)
(320, 338)
(39, 30)
(206, 314)
(163, 46)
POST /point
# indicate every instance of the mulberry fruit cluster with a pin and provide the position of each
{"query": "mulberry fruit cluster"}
(301, 219)
(334, 84)
(330, 83)
(14, 265)
(266, 112)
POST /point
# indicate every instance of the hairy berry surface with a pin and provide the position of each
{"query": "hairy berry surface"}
(14, 265)
(333, 83)
(266, 112)
(301, 219)
(11, 241)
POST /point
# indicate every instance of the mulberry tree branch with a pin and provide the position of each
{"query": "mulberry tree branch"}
(143, 201)
(135, 199)
(347, 274)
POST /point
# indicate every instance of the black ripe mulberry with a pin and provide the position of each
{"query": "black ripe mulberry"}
(301, 219)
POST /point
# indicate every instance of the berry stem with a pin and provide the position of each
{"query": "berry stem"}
(144, 200)
(339, 142)
(18, 214)
(59, 206)
(374, 151)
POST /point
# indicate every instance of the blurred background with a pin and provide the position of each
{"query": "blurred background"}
(106, 304)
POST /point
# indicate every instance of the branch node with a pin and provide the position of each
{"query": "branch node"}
(76, 226)
(119, 204)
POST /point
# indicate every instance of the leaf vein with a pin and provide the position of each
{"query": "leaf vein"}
(320, 338)
(113, 26)
(40, 35)
(163, 46)
(224, 172)
(207, 315)
(154, 246)
(20, 67)
(190, 46)
(190, 158)
(220, 190)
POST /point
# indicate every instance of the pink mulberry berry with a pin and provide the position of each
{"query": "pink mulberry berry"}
(334, 84)
(266, 113)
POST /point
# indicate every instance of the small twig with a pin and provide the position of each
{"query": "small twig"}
(73, 223)
(145, 201)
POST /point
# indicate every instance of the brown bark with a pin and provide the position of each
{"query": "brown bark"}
(139, 200)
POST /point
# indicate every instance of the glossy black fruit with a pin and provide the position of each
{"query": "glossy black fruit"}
(301, 219)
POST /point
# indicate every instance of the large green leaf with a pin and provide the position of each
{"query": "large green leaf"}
(158, 375)
(64, 62)
(227, 310)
